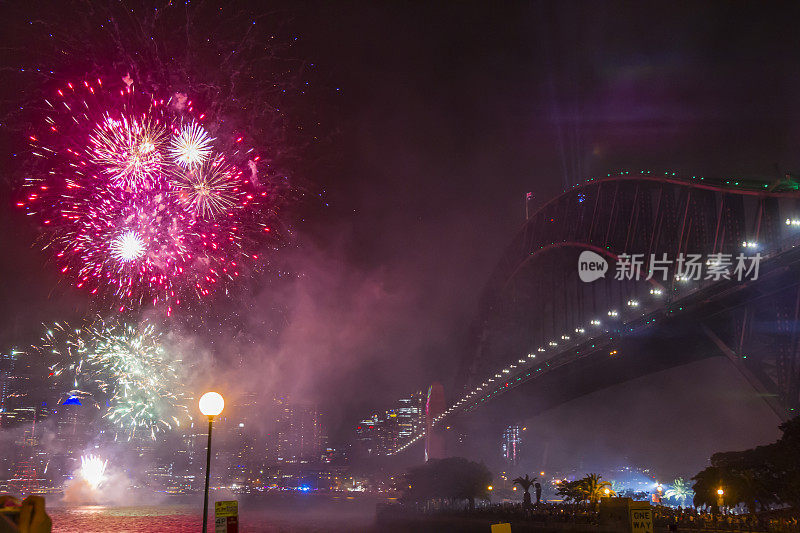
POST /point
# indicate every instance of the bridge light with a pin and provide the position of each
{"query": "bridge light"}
(521, 361)
(633, 303)
(612, 353)
(656, 292)
(531, 356)
(749, 244)
(540, 349)
(564, 337)
(793, 222)
(506, 371)
(595, 322)
(612, 313)
(580, 330)
(553, 343)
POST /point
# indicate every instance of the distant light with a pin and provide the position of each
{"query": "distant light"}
(613, 313)
(793, 222)
(633, 303)
(241, 424)
(749, 244)
(489, 488)
(720, 492)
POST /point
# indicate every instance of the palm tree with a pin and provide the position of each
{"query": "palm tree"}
(526, 483)
(679, 491)
(593, 489)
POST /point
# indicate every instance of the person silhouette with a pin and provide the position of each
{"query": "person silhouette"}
(538, 492)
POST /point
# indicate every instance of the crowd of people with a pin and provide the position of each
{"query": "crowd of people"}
(664, 517)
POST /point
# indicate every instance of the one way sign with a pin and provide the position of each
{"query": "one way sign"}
(641, 520)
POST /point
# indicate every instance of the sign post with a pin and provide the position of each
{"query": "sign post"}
(641, 515)
(226, 517)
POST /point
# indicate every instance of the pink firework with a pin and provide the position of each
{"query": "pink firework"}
(136, 202)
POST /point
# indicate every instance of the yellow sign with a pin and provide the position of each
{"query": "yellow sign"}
(226, 508)
(501, 528)
(641, 518)
(226, 517)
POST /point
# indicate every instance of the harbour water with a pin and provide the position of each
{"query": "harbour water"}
(287, 513)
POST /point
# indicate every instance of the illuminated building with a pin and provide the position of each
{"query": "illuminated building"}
(410, 415)
(510, 444)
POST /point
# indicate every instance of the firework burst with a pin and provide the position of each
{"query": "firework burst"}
(129, 150)
(93, 470)
(122, 366)
(135, 204)
(191, 145)
(210, 189)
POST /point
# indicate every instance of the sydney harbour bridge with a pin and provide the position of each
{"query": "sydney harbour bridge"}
(544, 336)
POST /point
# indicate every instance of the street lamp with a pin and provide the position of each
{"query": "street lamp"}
(720, 494)
(211, 404)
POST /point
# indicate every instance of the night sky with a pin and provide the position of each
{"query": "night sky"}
(423, 126)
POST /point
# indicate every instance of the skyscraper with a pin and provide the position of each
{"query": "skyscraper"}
(510, 444)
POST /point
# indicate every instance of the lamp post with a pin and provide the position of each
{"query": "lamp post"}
(211, 404)
(720, 494)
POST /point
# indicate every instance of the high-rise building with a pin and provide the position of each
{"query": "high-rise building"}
(366, 441)
(299, 433)
(381, 434)
(410, 415)
(510, 444)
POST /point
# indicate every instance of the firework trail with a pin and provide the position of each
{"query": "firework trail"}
(93, 470)
(138, 205)
(123, 367)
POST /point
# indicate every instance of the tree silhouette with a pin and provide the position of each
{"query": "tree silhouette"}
(526, 483)
(454, 478)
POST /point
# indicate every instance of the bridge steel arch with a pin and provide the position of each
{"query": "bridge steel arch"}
(536, 315)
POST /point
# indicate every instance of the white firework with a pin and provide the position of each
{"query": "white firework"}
(191, 146)
(93, 470)
(127, 247)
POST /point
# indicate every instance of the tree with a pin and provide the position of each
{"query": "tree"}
(526, 483)
(758, 477)
(679, 491)
(570, 491)
(594, 489)
(454, 478)
(590, 487)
